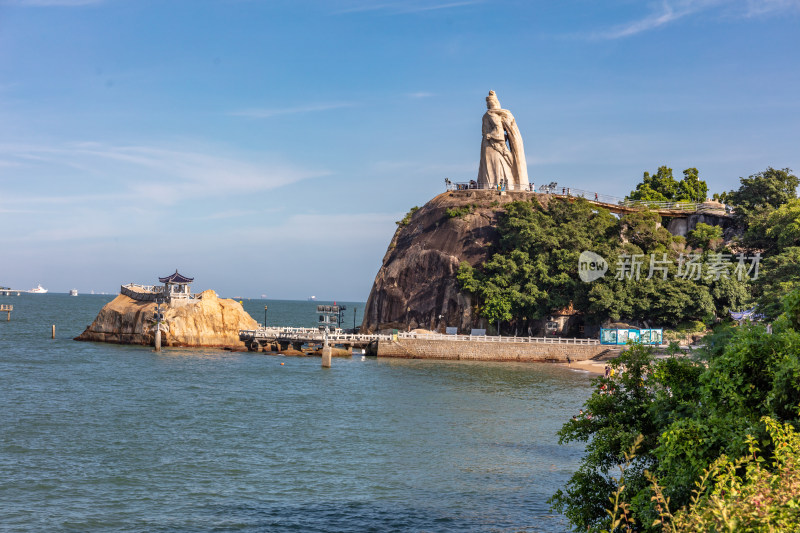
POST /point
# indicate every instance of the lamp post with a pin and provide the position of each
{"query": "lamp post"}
(265, 316)
(354, 318)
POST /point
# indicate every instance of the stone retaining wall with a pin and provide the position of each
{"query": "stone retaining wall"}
(138, 295)
(487, 351)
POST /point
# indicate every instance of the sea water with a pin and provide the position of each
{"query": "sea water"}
(101, 437)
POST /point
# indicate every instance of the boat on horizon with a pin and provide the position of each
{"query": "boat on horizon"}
(38, 289)
(73, 292)
(312, 299)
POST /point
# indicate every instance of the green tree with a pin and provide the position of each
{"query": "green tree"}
(689, 413)
(764, 499)
(658, 187)
(770, 230)
(778, 275)
(691, 188)
(763, 191)
(533, 270)
(643, 229)
(663, 187)
(705, 236)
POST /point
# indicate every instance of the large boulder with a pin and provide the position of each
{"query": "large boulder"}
(207, 321)
(416, 286)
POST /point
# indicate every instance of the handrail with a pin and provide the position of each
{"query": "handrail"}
(148, 293)
(315, 335)
(592, 196)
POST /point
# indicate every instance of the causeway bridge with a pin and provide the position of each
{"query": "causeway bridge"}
(614, 204)
(263, 338)
(424, 345)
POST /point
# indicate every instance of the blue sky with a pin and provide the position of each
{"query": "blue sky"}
(268, 147)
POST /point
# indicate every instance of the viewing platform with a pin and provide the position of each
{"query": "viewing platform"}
(613, 204)
(175, 289)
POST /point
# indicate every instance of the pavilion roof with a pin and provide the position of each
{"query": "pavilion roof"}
(176, 278)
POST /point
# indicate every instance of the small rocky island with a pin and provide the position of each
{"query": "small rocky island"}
(190, 320)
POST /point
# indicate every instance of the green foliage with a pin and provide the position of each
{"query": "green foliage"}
(691, 188)
(762, 192)
(771, 230)
(534, 268)
(659, 187)
(721, 197)
(765, 498)
(779, 275)
(643, 229)
(612, 420)
(533, 271)
(692, 414)
(705, 236)
(746, 495)
(774, 232)
(457, 212)
(406, 219)
(662, 187)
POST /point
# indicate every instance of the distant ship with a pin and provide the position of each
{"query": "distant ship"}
(73, 292)
(312, 299)
(38, 290)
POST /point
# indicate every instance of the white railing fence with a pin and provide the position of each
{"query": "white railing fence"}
(592, 196)
(313, 334)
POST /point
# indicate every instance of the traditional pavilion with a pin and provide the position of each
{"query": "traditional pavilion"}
(176, 285)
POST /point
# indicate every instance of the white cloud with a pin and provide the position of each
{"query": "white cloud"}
(420, 94)
(766, 7)
(157, 175)
(670, 11)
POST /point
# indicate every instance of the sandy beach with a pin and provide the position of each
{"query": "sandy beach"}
(594, 367)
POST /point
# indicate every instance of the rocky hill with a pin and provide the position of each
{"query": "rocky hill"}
(209, 321)
(416, 285)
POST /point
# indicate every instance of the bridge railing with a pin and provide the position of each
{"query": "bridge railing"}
(149, 293)
(313, 334)
(591, 196)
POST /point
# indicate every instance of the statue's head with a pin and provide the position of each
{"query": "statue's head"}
(492, 102)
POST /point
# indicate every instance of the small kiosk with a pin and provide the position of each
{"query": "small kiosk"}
(176, 286)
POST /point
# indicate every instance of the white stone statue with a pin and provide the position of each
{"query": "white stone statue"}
(502, 154)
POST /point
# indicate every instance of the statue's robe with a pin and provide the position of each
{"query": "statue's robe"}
(500, 161)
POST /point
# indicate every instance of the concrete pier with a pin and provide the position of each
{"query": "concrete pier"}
(421, 348)
(430, 346)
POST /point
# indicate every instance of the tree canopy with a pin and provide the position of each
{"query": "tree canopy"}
(689, 411)
(762, 192)
(533, 270)
(663, 187)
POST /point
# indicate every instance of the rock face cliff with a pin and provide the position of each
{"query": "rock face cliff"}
(416, 285)
(209, 321)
